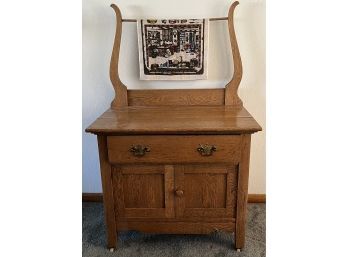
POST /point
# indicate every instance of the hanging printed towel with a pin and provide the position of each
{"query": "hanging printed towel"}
(173, 49)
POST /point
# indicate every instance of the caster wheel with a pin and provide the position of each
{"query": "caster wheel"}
(112, 250)
(238, 250)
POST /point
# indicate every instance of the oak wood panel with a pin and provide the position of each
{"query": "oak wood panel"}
(169, 194)
(147, 191)
(109, 208)
(143, 191)
(205, 190)
(175, 120)
(242, 198)
(210, 19)
(179, 185)
(176, 97)
(232, 191)
(231, 89)
(98, 197)
(175, 227)
(181, 219)
(174, 149)
(145, 212)
(118, 191)
(209, 190)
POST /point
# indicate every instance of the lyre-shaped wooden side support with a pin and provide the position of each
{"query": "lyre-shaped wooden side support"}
(231, 90)
(231, 97)
(120, 89)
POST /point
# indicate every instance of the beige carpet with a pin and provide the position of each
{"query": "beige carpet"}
(135, 244)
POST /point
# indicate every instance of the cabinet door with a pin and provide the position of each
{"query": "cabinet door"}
(205, 190)
(143, 191)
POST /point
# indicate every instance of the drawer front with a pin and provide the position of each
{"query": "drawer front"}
(174, 149)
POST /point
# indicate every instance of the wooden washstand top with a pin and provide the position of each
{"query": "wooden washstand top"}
(175, 120)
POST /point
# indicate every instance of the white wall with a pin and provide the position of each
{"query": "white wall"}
(98, 35)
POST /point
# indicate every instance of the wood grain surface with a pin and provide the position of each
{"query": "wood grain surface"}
(176, 97)
(176, 227)
(174, 149)
(98, 197)
(143, 191)
(120, 89)
(175, 120)
(242, 198)
(209, 190)
(109, 208)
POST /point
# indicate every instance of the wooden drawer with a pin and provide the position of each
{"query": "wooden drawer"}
(174, 149)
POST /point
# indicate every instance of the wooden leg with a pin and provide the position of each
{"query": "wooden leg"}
(242, 198)
(240, 227)
(108, 198)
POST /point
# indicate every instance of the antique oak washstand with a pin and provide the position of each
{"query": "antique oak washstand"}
(175, 161)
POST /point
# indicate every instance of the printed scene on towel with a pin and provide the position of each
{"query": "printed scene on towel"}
(173, 49)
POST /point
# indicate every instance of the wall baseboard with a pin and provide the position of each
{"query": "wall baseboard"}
(92, 197)
(256, 198)
(98, 197)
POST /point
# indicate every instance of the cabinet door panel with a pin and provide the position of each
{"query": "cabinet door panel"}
(205, 190)
(143, 191)
(208, 190)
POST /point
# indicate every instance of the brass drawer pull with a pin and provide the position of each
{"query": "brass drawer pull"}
(139, 150)
(206, 150)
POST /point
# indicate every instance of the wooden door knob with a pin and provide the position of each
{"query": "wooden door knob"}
(179, 193)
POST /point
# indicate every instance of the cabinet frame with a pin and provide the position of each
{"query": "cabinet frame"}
(170, 223)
